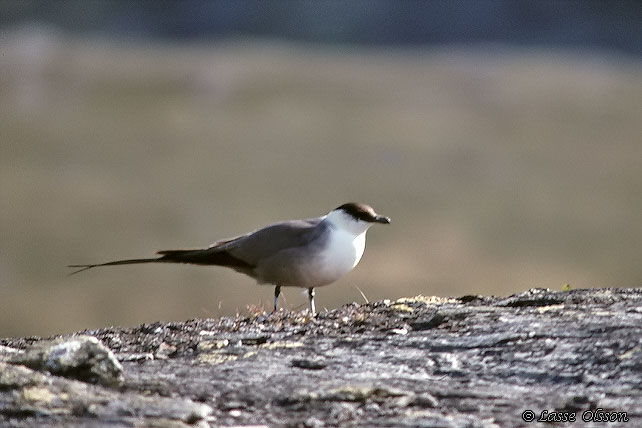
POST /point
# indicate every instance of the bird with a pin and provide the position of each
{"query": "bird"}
(306, 253)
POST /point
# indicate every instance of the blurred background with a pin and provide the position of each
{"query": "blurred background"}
(503, 138)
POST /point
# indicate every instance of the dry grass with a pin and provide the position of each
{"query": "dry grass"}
(501, 171)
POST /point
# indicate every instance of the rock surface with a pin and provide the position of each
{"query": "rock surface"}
(473, 361)
(79, 357)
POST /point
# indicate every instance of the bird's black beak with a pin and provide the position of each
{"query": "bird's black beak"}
(382, 219)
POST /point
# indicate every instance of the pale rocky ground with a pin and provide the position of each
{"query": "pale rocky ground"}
(474, 361)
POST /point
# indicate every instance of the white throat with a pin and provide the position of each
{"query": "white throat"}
(345, 247)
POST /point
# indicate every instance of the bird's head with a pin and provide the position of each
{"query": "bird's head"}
(355, 217)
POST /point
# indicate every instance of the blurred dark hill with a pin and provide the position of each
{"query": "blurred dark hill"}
(586, 24)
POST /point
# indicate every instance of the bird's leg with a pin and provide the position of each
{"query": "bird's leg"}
(277, 292)
(311, 298)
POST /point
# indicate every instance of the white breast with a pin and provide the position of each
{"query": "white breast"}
(340, 256)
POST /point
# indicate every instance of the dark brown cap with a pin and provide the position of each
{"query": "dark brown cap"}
(363, 212)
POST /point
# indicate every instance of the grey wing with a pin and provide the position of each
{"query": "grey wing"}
(269, 240)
